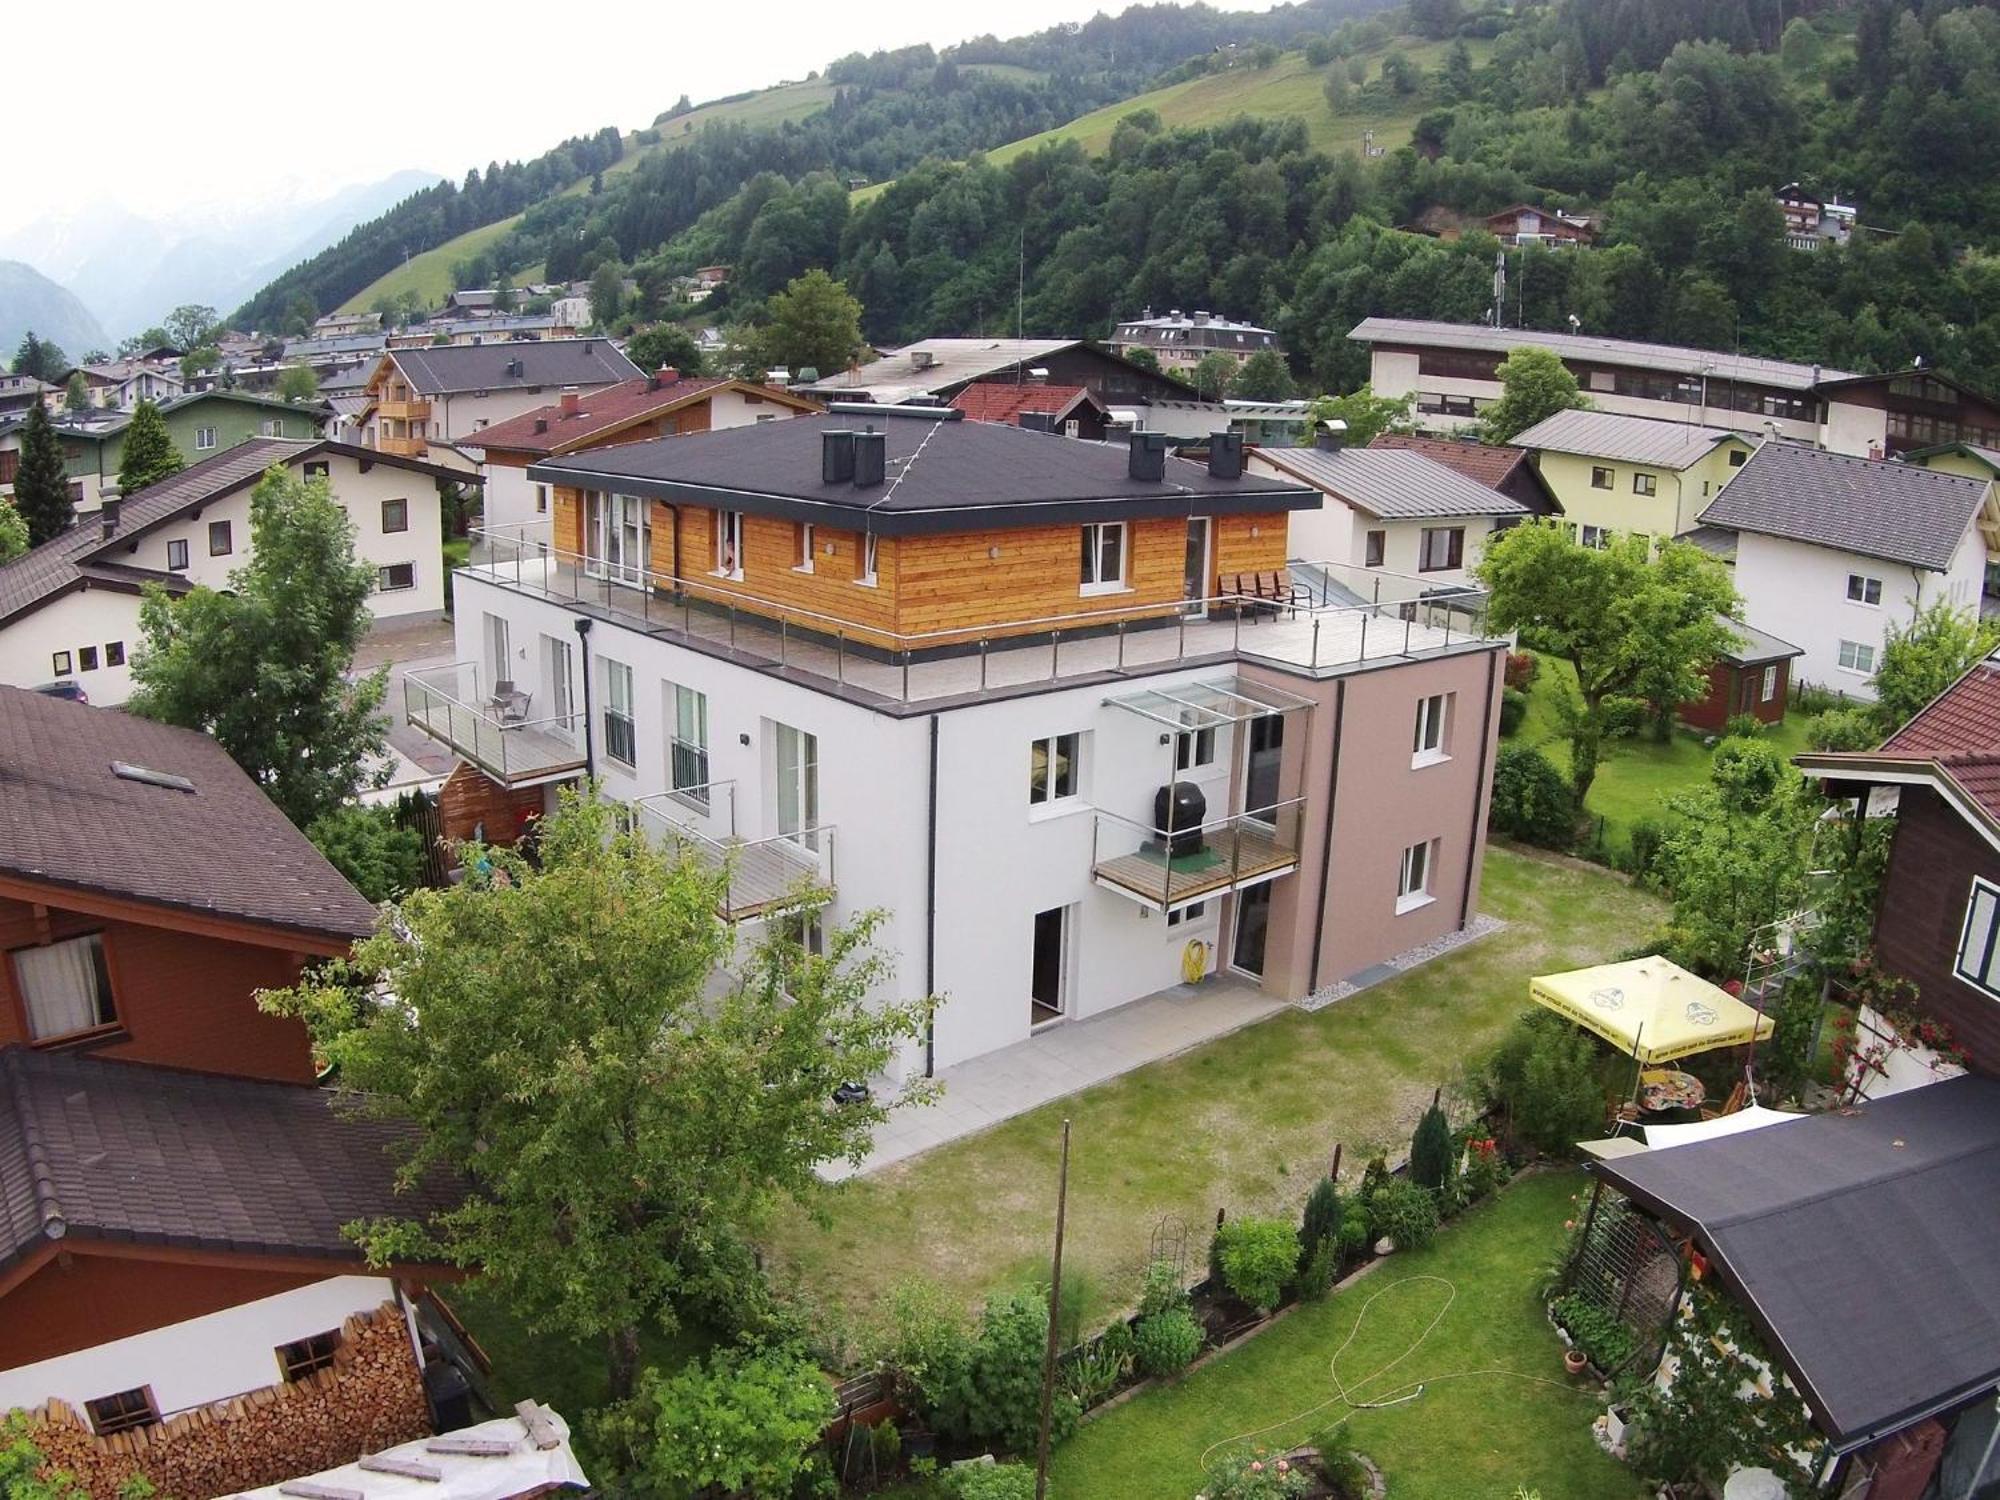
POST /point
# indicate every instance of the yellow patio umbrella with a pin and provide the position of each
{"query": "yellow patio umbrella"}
(1650, 1009)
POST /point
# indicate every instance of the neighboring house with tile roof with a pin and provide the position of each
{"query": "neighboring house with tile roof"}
(1392, 510)
(1619, 474)
(1498, 466)
(449, 392)
(69, 609)
(663, 404)
(1068, 409)
(1831, 549)
(931, 372)
(1937, 922)
(148, 889)
(172, 1242)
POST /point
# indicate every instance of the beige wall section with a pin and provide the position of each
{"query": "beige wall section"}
(1381, 805)
(1681, 495)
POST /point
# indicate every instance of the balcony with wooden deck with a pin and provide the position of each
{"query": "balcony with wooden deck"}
(761, 876)
(1165, 869)
(491, 727)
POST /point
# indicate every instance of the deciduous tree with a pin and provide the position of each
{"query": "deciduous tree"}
(607, 294)
(191, 325)
(814, 322)
(76, 392)
(1366, 414)
(297, 383)
(149, 454)
(662, 345)
(1534, 383)
(1634, 618)
(1262, 377)
(1926, 656)
(1211, 376)
(557, 1041)
(41, 485)
(264, 667)
(13, 532)
(40, 358)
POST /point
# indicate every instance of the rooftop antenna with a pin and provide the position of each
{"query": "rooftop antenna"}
(1575, 323)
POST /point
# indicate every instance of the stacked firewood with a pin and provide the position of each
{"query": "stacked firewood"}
(370, 1398)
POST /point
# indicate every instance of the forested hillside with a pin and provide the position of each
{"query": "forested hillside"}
(888, 112)
(1673, 121)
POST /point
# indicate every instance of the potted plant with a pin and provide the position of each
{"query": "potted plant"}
(1574, 1361)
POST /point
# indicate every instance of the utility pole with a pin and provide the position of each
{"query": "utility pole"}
(1055, 1303)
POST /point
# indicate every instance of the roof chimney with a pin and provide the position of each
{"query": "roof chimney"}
(1225, 455)
(1146, 456)
(108, 506)
(588, 345)
(871, 453)
(836, 457)
(541, 424)
(1332, 436)
(571, 399)
(668, 375)
(1038, 376)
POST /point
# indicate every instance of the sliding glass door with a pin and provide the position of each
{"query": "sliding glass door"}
(617, 537)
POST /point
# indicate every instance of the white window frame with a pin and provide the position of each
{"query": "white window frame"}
(1427, 745)
(1445, 533)
(1868, 584)
(562, 679)
(618, 708)
(541, 499)
(1044, 785)
(384, 578)
(1851, 654)
(173, 543)
(1193, 912)
(1413, 882)
(804, 537)
(204, 438)
(1595, 537)
(1768, 688)
(687, 744)
(1980, 930)
(1096, 536)
(103, 999)
(1194, 749)
(729, 545)
(870, 558)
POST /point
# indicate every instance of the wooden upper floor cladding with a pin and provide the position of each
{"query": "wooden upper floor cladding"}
(920, 530)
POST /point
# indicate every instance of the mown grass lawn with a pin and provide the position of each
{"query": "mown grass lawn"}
(1469, 1436)
(1245, 1123)
(1635, 776)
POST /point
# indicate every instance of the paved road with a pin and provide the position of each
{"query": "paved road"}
(408, 647)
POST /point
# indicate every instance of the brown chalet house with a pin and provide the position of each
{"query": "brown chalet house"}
(176, 1296)
(665, 403)
(1938, 922)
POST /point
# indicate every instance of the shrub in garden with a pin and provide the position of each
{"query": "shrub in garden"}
(926, 1346)
(1166, 1342)
(1645, 842)
(1354, 1225)
(1322, 1219)
(1405, 1212)
(1743, 727)
(1485, 1167)
(996, 1397)
(1513, 711)
(1373, 1176)
(1092, 1371)
(990, 1482)
(1544, 1074)
(1532, 800)
(1786, 1063)
(1624, 716)
(1430, 1150)
(1255, 1474)
(744, 1421)
(1520, 671)
(1257, 1258)
(1843, 729)
(1161, 1289)
(1604, 1340)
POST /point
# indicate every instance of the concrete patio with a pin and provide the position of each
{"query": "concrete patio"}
(1065, 1059)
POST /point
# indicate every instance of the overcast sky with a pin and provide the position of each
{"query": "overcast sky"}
(219, 101)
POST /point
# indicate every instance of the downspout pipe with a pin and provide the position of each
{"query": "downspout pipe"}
(583, 623)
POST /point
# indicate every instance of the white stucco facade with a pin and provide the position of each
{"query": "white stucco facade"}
(203, 1359)
(90, 621)
(1000, 859)
(1800, 593)
(1337, 532)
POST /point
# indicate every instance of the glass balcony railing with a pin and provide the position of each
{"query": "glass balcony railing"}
(1166, 868)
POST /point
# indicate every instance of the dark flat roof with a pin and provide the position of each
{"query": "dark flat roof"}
(97, 1149)
(1865, 1244)
(941, 475)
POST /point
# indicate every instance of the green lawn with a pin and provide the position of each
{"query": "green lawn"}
(1635, 776)
(429, 274)
(1245, 1122)
(1474, 1434)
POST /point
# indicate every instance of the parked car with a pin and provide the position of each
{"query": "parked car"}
(70, 690)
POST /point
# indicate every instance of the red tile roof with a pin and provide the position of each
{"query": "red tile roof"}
(1959, 730)
(609, 408)
(1483, 463)
(1004, 401)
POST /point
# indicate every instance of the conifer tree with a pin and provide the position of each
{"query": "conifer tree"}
(150, 454)
(41, 488)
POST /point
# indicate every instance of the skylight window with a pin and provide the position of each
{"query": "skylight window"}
(126, 771)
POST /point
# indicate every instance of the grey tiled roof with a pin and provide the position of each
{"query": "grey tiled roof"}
(548, 363)
(1393, 483)
(1754, 647)
(1872, 507)
(1594, 350)
(1637, 440)
(222, 850)
(96, 1149)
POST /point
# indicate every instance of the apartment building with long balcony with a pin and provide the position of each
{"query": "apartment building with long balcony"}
(419, 398)
(1063, 710)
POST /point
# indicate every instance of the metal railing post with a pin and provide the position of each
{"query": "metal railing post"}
(840, 657)
(1365, 615)
(1315, 656)
(985, 654)
(1406, 637)
(784, 640)
(1121, 645)
(1055, 654)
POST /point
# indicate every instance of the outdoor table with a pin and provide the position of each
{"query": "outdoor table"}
(1663, 1089)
